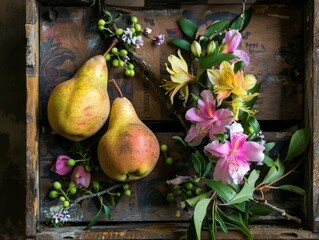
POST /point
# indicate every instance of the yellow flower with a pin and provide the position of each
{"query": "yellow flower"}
(226, 81)
(238, 103)
(180, 78)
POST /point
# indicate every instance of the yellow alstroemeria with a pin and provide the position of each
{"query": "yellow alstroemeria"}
(238, 103)
(180, 78)
(226, 81)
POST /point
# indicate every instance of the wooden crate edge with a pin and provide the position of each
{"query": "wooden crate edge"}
(32, 110)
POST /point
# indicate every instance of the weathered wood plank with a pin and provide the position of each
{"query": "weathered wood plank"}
(171, 231)
(311, 109)
(32, 112)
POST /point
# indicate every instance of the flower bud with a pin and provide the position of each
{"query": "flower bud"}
(211, 47)
(81, 177)
(196, 49)
(61, 166)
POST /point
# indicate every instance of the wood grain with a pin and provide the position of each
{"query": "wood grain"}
(32, 120)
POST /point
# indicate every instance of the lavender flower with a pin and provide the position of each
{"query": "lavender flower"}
(147, 31)
(159, 40)
(58, 216)
(138, 41)
(127, 36)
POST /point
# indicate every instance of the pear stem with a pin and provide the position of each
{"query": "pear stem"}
(117, 88)
(114, 42)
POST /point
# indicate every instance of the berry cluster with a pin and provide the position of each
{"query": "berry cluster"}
(120, 58)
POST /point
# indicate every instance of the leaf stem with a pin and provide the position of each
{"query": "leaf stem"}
(96, 194)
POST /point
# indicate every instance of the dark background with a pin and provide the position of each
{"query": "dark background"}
(12, 119)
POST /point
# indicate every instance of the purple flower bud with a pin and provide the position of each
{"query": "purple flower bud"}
(159, 39)
(61, 166)
(81, 177)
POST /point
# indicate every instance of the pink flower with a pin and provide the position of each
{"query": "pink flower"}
(234, 157)
(81, 177)
(206, 120)
(231, 42)
(61, 166)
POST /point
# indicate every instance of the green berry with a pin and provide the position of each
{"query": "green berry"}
(130, 66)
(164, 147)
(127, 72)
(188, 186)
(72, 190)
(88, 168)
(138, 27)
(107, 57)
(121, 63)
(189, 193)
(198, 191)
(134, 19)
(114, 50)
(132, 30)
(72, 184)
(169, 161)
(53, 194)
(71, 162)
(127, 192)
(101, 22)
(57, 185)
(132, 73)
(119, 31)
(123, 52)
(170, 197)
(62, 199)
(66, 204)
(126, 186)
(96, 185)
(118, 194)
(115, 62)
(101, 28)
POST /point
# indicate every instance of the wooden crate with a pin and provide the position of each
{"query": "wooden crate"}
(281, 39)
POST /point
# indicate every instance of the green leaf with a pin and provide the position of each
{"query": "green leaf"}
(269, 146)
(197, 164)
(181, 43)
(213, 229)
(206, 62)
(188, 27)
(180, 140)
(298, 143)
(94, 220)
(268, 161)
(259, 209)
(199, 215)
(194, 200)
(238, 65)
(292, 188)
(191, 232)
(252, 121)
(274, 172)
(207, 169)
(107, 211)
(221, 222)
(246, 193)
(237, 22)
(222, 190)
(216, 27)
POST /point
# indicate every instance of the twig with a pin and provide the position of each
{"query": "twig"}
(114, 42)
(116, 87)
(282, 212)
(95, 194)
(179, 180)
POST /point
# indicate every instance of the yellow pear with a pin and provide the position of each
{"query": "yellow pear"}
(79, 107)
(128, 150)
